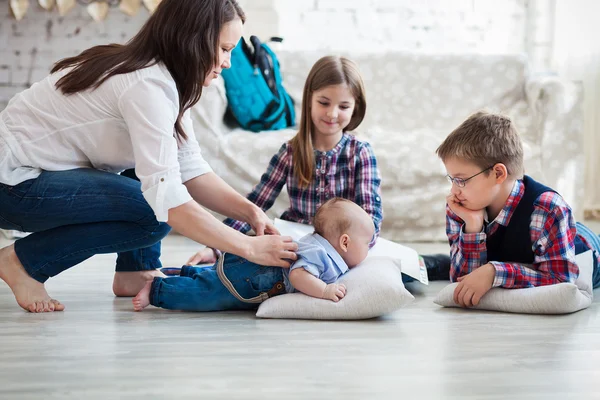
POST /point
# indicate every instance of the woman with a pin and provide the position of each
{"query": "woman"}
(112, 108)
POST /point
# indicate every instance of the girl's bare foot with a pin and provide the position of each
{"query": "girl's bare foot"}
(142, 300)
(128, 284)
(31, 295)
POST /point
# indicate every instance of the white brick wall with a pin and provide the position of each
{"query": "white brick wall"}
(427, 25)
(29, 48)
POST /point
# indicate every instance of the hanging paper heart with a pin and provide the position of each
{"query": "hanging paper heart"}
(19, 8)
(98, 10)
(151, 4)
(130, 7)
(46, 4)
(64, 6)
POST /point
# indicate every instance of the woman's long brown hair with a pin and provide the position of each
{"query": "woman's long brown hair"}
(182, 34)
(328, 71)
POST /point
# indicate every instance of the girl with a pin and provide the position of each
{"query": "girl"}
(323, 160)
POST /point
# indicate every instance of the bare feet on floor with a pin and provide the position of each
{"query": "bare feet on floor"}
(128, 284)
(142, 300)
(31, 295)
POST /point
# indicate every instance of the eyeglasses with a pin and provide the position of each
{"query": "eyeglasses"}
(460, 182)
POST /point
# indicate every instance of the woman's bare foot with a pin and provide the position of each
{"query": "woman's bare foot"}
(142, 300)
(31, 295)
(128, 284)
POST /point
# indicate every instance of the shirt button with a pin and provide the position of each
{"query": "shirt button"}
(322, 171)
(162, 179)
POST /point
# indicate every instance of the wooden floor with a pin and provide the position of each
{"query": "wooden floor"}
(100, 349)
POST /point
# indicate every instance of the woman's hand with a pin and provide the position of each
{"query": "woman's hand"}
(271, 250)
(261, 224)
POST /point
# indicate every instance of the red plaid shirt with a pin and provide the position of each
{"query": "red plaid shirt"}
(349, 170)
(552, 231)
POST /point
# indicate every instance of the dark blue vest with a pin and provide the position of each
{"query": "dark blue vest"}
(512, 243)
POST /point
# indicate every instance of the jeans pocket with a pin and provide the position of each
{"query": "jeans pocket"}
(265, 278)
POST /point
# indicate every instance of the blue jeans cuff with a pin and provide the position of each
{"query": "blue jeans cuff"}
(154, 291)
(149, 265)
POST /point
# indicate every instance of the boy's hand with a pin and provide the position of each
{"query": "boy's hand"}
(334, 292)
(473, 286)
(473, 219)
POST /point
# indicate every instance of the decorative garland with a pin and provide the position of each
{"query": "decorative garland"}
(98, 9)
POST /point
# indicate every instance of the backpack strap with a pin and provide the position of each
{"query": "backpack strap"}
(284, 98)
(276, 73)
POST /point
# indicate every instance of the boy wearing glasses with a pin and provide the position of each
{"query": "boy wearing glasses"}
(497, 219)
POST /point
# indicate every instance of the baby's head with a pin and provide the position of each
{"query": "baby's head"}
(347, 227)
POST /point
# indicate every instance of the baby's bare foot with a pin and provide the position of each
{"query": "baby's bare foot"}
(142, 300)
(31, 295)
(128, 284)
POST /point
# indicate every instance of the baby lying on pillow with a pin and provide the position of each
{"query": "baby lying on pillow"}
(343, 231)
(341, 240)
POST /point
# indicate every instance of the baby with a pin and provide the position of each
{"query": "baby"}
(341, 240)
(343, 231)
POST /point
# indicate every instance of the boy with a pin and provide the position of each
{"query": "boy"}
(343, 231)
(498, 220)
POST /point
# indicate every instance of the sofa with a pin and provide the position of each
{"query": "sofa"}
(413, 102)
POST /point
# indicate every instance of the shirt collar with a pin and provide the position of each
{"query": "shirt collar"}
(338, 147)
(335, 256)
(516, 194)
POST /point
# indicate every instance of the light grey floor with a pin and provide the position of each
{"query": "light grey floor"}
(100, 348)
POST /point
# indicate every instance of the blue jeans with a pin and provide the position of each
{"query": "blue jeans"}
(200, 289)
(594, 241)
(78, 213)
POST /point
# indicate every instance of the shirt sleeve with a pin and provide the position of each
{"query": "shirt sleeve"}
(266, 191)
(312, 268)
(189, 155)
(149, 108)
(467, 250)
(552, 230)
(368, 187)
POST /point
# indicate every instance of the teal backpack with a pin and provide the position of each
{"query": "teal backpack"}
(255, 93)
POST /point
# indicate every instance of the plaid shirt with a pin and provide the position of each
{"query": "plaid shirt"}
(552, 231)
(349, 170)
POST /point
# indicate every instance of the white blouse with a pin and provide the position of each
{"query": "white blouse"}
(127, 122)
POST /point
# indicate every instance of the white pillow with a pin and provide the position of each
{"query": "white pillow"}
(561, 298)
(374, 288)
